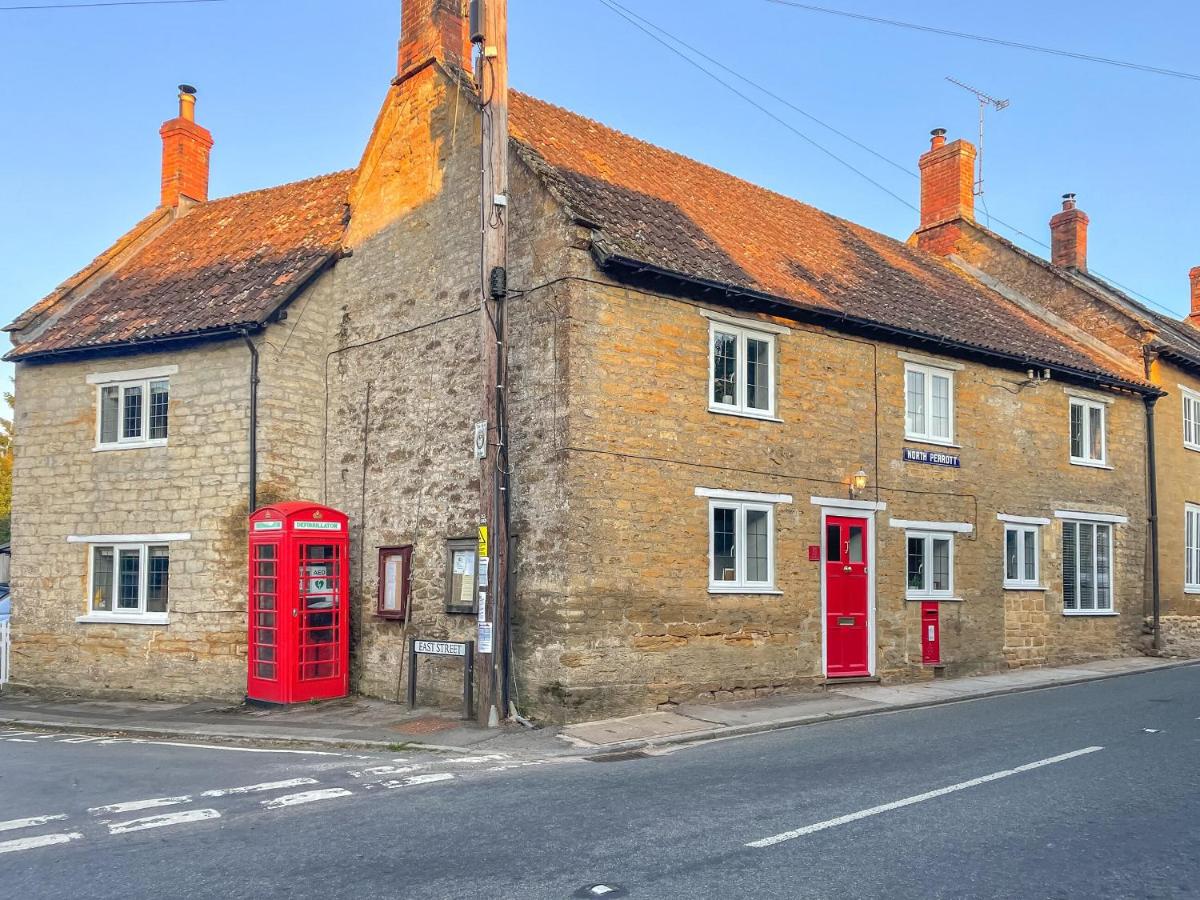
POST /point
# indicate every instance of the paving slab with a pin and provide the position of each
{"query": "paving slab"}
(771, 709)
(633, 728)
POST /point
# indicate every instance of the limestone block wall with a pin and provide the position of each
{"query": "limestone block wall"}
(639, 626)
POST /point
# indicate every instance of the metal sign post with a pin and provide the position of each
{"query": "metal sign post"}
(463, 649)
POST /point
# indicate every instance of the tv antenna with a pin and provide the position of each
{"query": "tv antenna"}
(985, 100)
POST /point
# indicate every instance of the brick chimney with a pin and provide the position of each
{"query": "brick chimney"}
(433, 29)
(1194, 315)
(947, 181)
(1068, 236)
(186, 146)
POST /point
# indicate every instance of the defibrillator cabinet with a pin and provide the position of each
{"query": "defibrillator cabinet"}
(299, 641)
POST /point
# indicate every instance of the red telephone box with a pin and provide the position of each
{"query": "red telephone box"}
(931, 635)
(299, 647)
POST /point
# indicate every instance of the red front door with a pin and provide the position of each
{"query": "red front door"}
(847, 630)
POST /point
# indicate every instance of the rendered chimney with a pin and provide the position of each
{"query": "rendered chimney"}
(1194, 316)
(433, 29)
(186, 148)
(947, 181)
(1068, 236)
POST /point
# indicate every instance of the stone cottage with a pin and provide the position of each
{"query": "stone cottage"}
(1145, 342)
(754, 446)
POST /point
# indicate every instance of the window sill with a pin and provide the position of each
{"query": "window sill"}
(743, 414)
(713, 589)
(1089, 464)
(1025, 587)
(1192, 590)
(912, 598)
(933, 442)
(1187, 446)
(132, 445)
(1090, 612)
(101, 619)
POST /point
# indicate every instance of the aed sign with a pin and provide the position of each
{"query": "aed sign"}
(317, 526)
(931, 457)
(440, 648)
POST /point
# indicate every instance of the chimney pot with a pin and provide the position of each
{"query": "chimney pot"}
(939, 138)
(185, 155)
(1069, 235)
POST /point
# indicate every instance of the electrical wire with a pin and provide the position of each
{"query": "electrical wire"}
(729, 87)
(985, 39)
(108, 3)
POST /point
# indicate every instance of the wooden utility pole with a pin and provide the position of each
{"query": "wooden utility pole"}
(493, 481)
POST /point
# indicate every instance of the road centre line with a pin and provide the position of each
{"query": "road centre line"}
(135, 805)
(175, 818)
(259, 788)
(13, 824)
(42, 840)
(305, 797)
(918, 798)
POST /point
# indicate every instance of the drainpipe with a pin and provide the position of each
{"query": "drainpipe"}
(1152, 473)
(253, 499)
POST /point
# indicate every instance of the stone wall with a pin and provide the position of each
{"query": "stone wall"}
(639, 627)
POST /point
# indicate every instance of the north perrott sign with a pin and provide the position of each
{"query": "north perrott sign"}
(931, 457)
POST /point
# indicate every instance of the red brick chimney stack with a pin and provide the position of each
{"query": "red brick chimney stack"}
(1068, 236)
(1194, 316)
(947, 181)
(433, 29)
(186, 147)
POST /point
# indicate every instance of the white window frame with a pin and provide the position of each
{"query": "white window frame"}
(142, 378)
(741, 501)
(1086, 406)
(1191, 548)
(1099, 521)
(127, 616)
(1191, 418)
(926, 592)
(742, 333)
(928, 373)
(1021, 529)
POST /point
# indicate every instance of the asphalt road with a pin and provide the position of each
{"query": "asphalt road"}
(1087, 791)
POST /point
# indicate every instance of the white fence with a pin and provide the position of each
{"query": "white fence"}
(5, 650)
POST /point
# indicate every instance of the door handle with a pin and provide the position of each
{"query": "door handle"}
(846, 568)
(295, 613)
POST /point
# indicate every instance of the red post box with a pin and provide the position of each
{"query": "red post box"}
(299, 646)
(931, 635)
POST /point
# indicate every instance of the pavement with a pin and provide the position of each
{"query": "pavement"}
(1086, 791)
(357, 722)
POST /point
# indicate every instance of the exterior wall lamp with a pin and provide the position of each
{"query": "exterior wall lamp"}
(858, 483)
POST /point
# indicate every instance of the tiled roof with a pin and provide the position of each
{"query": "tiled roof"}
(226, 263)
(654, 207)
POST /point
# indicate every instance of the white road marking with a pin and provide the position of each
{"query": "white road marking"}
(21, 740)
(306, 797)
(475, 760)
(259, 788)
(236, 749)
(176, 818)
(135, 805)
(77, 740)
(12, 824)
(413, 780)
(43, 840)
(385, 770)
(919, 798)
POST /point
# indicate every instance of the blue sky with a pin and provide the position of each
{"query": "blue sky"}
(290, 89)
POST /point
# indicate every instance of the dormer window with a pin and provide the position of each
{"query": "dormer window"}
(132, 408)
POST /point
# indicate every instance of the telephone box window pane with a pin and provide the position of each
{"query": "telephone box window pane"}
(265, 551)
(725, 369)
(264, 670)
(132, 420)
(158, 575)
(110, 413)
(856, 544)
(102, 579)
(265, 619)
(159, 396)
(129, 579)
(724, 544)
(833, 543)
(265, 653)
(757, 536)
